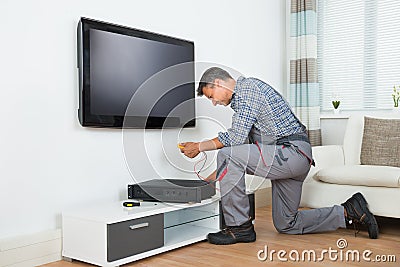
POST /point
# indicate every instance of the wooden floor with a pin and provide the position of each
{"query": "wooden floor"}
(205, 254)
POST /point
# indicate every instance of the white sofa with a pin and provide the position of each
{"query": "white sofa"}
(338, 174)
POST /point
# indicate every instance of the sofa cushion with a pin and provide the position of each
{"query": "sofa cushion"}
(353, 139)
(366, 175)
(381, 142)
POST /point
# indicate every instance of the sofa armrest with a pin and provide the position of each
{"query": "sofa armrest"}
(325, 156)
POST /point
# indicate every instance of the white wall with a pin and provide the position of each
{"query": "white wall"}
(48, 162)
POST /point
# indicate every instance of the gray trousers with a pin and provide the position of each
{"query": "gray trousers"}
(287, 168)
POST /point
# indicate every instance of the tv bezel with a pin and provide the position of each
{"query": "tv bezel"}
(87, 119)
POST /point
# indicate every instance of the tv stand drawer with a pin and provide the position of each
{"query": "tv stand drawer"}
(132, 237)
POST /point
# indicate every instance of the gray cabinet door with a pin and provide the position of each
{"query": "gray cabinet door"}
(132, 237)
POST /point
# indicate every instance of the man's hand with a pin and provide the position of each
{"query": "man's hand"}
(212, 177)
(190, 149)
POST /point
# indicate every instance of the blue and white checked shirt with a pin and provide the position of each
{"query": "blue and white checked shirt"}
(258, 104)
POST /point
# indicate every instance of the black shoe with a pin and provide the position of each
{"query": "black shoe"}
(234, 234)
(358, 212)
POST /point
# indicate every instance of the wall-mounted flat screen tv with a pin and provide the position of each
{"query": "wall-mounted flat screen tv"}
(133, 78)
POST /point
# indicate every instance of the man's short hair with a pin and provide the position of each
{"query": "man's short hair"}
(209, 77)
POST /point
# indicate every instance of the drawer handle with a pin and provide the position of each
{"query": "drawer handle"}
(137, 226)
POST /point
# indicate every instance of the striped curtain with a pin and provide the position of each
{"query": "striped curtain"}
(304, 90)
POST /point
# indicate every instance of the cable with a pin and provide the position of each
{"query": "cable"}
(204, 159)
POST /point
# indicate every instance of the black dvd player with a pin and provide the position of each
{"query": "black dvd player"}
(172, 190)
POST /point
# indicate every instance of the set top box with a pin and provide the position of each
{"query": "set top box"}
(172, 190)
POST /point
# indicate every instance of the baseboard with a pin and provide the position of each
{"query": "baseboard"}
(31, 250)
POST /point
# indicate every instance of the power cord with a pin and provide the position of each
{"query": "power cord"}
(204, 160)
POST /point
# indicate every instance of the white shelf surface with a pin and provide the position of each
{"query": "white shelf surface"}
(185, 234)
(114, 212)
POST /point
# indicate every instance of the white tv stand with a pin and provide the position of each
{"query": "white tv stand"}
(112, 235)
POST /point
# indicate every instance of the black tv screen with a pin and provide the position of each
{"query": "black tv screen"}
(133, 78)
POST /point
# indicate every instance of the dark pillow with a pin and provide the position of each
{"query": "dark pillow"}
(381, 142)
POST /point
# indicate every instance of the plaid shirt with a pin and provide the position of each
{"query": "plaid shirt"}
(258, 104)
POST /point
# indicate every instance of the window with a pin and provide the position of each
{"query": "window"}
(358, 53)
